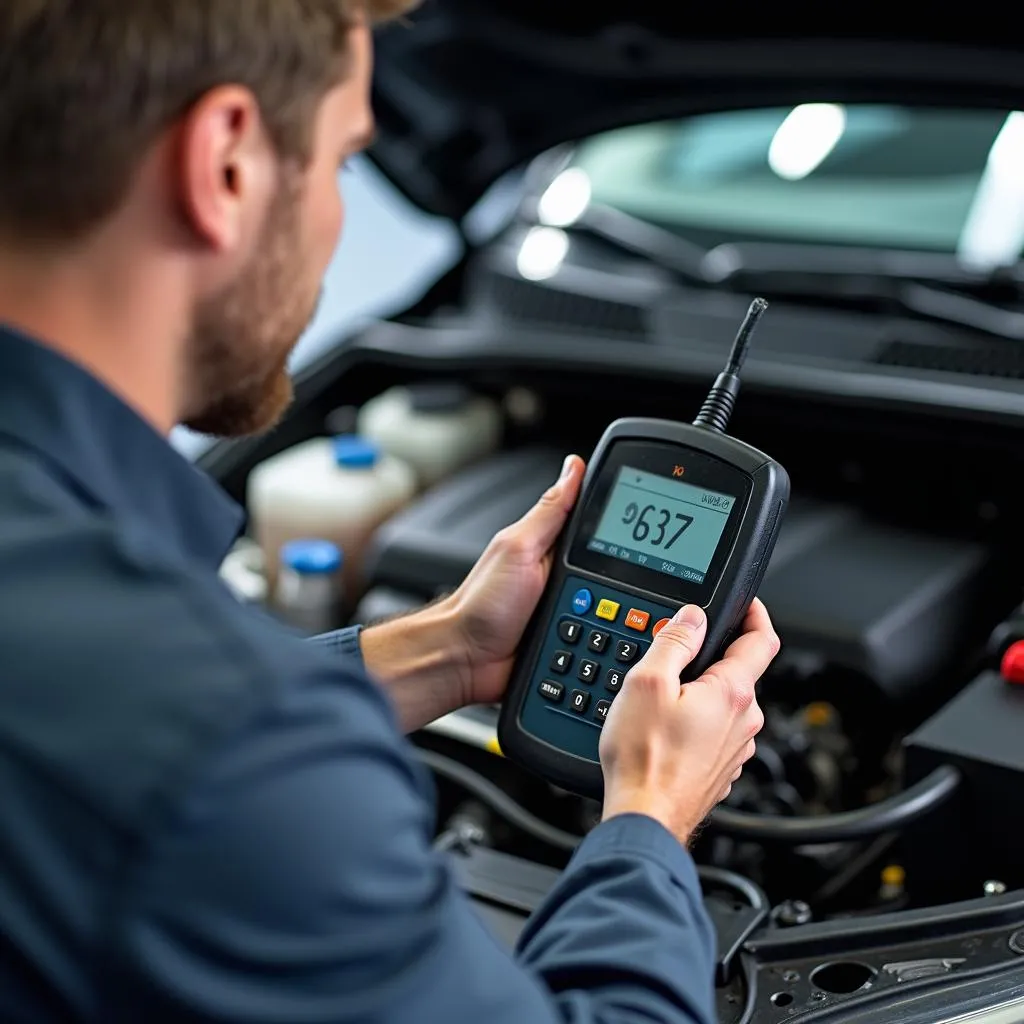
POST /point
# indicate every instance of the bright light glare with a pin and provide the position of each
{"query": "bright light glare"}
(805, 138)
(565, 199)
(542, 253)
(993, 233)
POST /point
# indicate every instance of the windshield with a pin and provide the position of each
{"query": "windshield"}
(942, 180)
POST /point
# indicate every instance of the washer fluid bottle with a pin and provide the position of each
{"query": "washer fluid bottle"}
(336, 489)
(436, 428)
(309, 594)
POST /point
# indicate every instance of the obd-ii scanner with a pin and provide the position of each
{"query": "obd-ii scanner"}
(669, 514)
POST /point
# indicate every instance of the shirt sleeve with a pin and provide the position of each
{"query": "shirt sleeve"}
(298, 882)
(344, 642)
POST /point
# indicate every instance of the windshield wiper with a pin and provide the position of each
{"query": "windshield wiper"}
(936, 286)
(661, 247)
(933, 286)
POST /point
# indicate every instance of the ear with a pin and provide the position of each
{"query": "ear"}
(225, 168)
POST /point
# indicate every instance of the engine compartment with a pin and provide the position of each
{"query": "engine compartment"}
(896, 588)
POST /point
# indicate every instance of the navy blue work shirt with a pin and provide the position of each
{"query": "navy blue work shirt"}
(206, 818)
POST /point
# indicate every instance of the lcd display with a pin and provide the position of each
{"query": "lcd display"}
(662, 524)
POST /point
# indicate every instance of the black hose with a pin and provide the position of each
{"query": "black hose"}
(498, 800)
(755, 898)
(887, 815)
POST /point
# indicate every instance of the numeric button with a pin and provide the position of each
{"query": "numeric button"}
(613, 680)
(561, 662)
(597, 641)
(579, 701)
(569, 630)
(588, 671)
(625, 651)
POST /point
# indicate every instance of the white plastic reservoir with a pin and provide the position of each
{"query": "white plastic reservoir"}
(435, 428)
(338, 489)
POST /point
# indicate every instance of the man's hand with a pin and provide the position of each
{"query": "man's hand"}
(460, 650)
(673, 752)
(496, 600)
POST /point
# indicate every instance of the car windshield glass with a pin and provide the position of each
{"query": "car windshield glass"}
(938, 180)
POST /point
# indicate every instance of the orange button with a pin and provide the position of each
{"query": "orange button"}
(636, 619)
(659, 626)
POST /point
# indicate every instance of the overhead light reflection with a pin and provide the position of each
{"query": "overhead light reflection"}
(993, 232)
(565, 199)
(805, 138)
(542, 252)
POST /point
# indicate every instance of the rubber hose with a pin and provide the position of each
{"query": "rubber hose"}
(887, 815)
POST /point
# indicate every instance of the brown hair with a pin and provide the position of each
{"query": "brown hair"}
(87, 86)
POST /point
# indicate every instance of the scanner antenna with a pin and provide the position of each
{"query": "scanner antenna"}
(718, 406)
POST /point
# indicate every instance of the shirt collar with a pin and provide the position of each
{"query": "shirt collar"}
(114, 458)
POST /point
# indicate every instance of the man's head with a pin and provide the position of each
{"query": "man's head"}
(215, 129)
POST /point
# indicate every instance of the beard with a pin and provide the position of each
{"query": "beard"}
(242, 338)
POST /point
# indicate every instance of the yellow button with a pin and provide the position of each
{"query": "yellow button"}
(607, 609)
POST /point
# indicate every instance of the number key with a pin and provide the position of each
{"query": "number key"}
(569, 630)
(613, 680)
(588, 671)
(561, 662)
(597, 641)
(625, 651)
(579, 700)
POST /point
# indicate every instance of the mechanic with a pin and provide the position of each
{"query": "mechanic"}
(202, 816)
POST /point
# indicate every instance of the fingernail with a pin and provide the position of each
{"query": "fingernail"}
(566, 466)
(691, 615)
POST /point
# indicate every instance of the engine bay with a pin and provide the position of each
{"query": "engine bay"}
(895, 587)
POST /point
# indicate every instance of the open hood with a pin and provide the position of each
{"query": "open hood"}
(466, 90)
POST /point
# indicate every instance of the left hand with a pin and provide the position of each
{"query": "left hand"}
(495, 601)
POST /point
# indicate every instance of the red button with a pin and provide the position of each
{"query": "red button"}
(659, 626)
(636, 619)
(1013, 663)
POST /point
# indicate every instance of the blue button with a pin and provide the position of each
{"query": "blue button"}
(582, 600)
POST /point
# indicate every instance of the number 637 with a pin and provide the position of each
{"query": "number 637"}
(641, 521)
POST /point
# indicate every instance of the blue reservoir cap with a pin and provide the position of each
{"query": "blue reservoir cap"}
(311, 556)
(354, 452)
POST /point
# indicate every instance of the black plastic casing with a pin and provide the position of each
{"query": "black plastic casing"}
(740, 568)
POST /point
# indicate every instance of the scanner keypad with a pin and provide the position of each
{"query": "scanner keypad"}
(597, 634)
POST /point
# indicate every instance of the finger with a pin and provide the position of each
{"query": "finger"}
(757, 618)
(748, 657)
(675, 646)
(543, 523)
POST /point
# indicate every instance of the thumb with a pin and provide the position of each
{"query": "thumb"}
(675, 646)
(543, 523)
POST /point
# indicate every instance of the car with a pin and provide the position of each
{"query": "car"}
(622, 181)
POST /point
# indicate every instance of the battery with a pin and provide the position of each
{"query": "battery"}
(977, 835)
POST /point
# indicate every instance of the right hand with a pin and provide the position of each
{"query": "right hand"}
(673, 752)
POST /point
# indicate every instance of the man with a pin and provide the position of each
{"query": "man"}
(202, 817)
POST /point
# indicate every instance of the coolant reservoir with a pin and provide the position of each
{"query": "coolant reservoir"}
(435, 428)
(338, 489)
